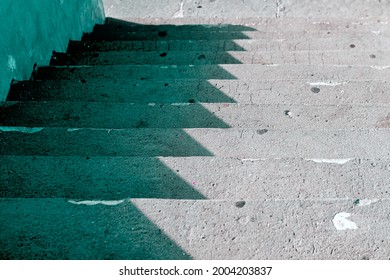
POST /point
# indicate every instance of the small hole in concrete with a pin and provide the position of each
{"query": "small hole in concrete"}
(352, 46)
(162, 34)
(372, 55)
(163, 54)
(166, 84)
(315, 89)
(191, 101)
(240, 204)
(261, 131)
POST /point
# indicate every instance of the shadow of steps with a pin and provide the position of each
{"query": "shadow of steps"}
(205, 72)
(362, 42)
(35, 231)
(193, 115)
(228, 142)
(117, 178)
(311, 91)
(378, 58)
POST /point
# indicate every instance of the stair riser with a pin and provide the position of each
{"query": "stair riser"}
(184, 34)
(247, 24)
(212, 91)
(366, 42)
(119, 115)
(191, 178)
(242, 143)
(201, 58)
(275, 230)
(229, 72)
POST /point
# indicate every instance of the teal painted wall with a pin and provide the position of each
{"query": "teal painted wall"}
(31, 29)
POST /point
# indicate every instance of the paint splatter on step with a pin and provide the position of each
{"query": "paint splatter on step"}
(365, 202)
(341, 222)
(334, 161)
(330, 83)
(97, 202)
(21, 129)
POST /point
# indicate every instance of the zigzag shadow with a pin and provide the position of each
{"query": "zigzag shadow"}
(88, 149)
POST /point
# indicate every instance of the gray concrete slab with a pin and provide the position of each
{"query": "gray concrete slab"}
(116, 178)
(379, 58)
(248, 8)
(192, 115)
(309, 92)
(165, 229)
(342, 42)
(321, 73)
(238, 24)
(228, 142)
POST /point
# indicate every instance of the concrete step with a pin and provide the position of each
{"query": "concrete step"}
(230, 142)
(368, 41)
(310, 92)
(165, 229)
(321, 73)
(116, 178)
(192, 115)
(244, 24)
(201, 58)
(108, 33)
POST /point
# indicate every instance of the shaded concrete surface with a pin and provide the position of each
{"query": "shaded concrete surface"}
(204, 130)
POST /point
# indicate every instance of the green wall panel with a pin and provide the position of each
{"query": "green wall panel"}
(31, 29)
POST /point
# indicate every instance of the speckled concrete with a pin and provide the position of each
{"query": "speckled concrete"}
(204, 130)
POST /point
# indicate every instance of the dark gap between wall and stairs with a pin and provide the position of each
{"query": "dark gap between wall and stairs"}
(90, 128)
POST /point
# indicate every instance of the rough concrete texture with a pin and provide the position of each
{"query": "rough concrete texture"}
(248, 8)
(204, 130)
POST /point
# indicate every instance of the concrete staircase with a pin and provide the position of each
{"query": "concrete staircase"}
(202, 139)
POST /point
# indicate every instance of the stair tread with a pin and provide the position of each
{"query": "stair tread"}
(182, 33)
(193, 115)
(368, 41)
(226, 71)
(229, 142)
(116, 178)
(240, 23)
(380, 58)
(163, 229)
(331, 92)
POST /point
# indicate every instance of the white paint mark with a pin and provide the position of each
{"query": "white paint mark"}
(376, 32)
(21, 129)
(380, 67)
(321, 22)
(180, 104)
(279, 8)
(180, 12)
(164, 67)
(152, 104)
(366, 202)
(96, 202)
(271, 65)
(335, 161)
(330, 83)
(73, 129)
(11, 63)
(341, 222)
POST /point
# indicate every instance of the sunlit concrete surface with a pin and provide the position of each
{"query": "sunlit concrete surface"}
(204, 130)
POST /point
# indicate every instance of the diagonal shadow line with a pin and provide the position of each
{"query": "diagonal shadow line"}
(143, 177)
